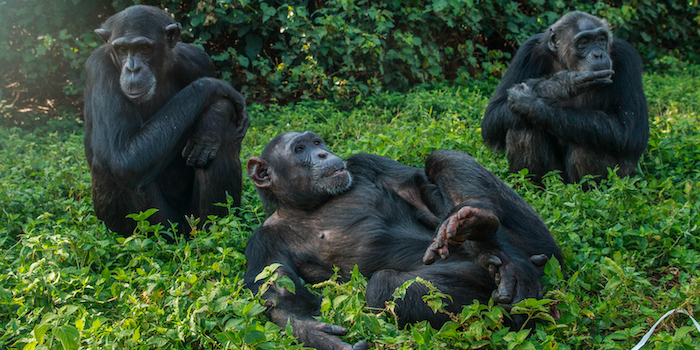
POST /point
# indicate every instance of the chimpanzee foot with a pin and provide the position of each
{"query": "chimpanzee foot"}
(514, 281)
(467, 223)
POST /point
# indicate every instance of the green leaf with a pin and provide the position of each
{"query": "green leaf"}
(325, 304)
(142, 216)
(68, 335)
(39, 332)
(287, 283)
(252, 309)
(227, 338)
(449, 330)
(254, 337)
(267, 11)
(267, 272)
(339, 300)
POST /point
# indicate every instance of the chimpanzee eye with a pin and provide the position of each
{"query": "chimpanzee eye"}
(317, 142)
(122, 50)
(298, 149)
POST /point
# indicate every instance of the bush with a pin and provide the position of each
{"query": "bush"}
(285, 51)
(43, 48)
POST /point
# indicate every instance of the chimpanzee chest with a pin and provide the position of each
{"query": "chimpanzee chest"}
(362, 230)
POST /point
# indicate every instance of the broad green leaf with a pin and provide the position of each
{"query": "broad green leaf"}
(68, 335)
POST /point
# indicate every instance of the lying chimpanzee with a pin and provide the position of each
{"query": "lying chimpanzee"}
(561, 107)
(391, 220)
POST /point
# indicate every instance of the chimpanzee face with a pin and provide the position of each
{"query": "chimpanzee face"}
(297, 170)
(582, 43)
(137, 79)
(141, 52)
(323, 171)
(592, 47)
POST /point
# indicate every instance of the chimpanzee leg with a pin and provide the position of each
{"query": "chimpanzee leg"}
(580, 162)
(464, 281)
(221, 175)
(113, 203)
(532, 149)
(462, 181)
(170, 209)
(515, 253)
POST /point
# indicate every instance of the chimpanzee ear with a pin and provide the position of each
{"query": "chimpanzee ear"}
(552, 42)
(103, 33)
(172, 32)
(258, 172)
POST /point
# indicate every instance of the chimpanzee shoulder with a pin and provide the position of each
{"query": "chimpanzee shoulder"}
(371, 166)
(192, 63)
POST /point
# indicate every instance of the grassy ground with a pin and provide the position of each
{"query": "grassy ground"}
(631, 244)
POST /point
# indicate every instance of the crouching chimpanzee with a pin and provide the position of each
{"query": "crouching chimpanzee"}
(159, 131)
(560, 105)
(392, 221)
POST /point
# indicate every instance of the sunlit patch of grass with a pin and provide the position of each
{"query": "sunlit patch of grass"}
(631, 245)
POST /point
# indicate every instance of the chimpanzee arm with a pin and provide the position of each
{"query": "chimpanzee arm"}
(202, 145)
(266, 247)
(209, 132)
(529, 62)
(134, 150)
(620, 127)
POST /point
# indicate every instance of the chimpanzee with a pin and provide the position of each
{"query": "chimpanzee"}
(160, 132)
(392, 221)
(560, 105)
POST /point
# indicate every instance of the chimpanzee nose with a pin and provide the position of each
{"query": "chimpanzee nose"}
(322, 154)
(133, 69)
(132, 66)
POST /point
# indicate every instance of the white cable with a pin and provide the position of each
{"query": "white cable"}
(646, 337)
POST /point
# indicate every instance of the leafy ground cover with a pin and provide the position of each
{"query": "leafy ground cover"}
(631, 244)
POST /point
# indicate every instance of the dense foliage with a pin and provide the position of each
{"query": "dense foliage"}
(632, 245)
(282, 50)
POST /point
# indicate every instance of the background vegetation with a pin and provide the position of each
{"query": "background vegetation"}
(631, 244)
(273, 50)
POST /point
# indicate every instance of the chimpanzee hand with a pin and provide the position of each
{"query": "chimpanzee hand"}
(526, 98)
(522, 100)
(465, 223)
(209, 131)
(323, 336)
(568, 84)
(516, 280)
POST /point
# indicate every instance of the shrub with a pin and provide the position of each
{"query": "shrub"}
(285, 51)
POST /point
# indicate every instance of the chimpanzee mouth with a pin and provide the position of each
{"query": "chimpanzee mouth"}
(336, 172)
(138, 93)
(135, 95)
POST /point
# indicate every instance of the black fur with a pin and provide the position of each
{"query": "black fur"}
(134, 144)
(558, 108)
(384, 223)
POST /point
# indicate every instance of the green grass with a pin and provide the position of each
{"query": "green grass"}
(631, 244)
